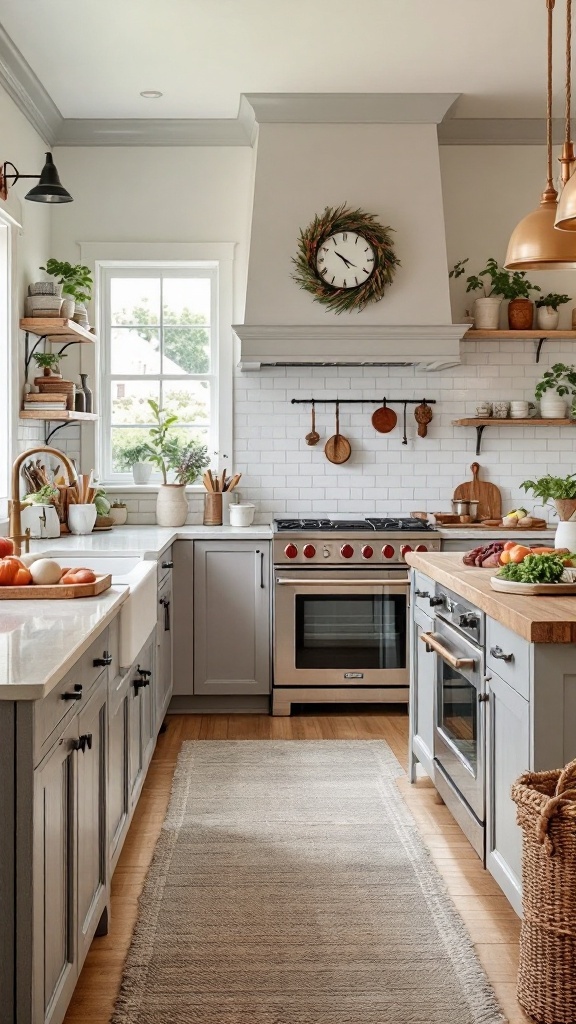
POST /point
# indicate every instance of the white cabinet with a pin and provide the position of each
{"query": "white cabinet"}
(508, 755)
(231, 617)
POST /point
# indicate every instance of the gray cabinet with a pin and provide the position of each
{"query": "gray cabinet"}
(422, 684)
(118, 806)
(141, 731)
(508, 755)
(163, 681)
(92, 859)
(231, 617)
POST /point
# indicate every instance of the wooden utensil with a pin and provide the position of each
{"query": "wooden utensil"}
(337, 448)
(313, 437)
(404, 437)
(234, 482)
(488, 495)
(384, 419)
(423, 414)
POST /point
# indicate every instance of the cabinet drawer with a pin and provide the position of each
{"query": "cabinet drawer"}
(51, 713)
(509, 655)
(423, 591)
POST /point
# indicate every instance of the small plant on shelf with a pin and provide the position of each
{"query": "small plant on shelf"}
(552, 301)
(561, 379)
(76, 279)
(49, 362)
(129, 457)
(497, 278)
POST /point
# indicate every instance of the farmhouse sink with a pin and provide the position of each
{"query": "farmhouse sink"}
(138, 613)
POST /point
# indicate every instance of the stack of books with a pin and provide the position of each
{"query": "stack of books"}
(48, 402)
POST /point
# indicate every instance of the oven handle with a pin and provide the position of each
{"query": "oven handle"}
(341, 583)
(432, 644)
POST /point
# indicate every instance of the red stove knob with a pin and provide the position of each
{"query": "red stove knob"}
(346, 551)
(388, 551)
(309, 551)
(404, 549)
(367, 551)
(422, 547)
(290, 551)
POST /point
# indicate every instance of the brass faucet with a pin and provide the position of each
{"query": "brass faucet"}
(16, 505)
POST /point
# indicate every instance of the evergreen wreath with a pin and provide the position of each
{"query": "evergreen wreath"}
(331, 222)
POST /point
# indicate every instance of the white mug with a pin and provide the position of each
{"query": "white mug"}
(522, 410)
(81, 518)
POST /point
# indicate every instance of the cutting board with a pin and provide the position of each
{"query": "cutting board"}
(57, 591)
(532, 589)
(488, 495)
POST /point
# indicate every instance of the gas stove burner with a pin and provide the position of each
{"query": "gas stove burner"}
(283, 525)
(353, 525)
(416, 525)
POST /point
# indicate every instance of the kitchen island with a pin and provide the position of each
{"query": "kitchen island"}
(492, 695)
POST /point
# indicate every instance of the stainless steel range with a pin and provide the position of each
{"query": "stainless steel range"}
(341, 625)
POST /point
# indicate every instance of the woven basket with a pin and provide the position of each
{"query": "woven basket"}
(546, 812)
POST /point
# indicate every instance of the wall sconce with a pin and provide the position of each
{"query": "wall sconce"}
(48, 190)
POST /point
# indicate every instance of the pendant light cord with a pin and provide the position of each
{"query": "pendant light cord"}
(550, 183)
(568, 124)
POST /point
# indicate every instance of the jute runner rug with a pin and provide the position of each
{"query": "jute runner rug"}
(290, 886)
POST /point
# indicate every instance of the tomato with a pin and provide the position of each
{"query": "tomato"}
(6, 546)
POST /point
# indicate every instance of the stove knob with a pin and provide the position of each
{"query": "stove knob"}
(346, 551)
(367, 551)
(388, 551)
(290, 551)
(309, 551)
(404, 549)
(421, 547)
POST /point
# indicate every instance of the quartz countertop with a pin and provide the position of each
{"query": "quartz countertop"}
(146, 541)
(541, 620)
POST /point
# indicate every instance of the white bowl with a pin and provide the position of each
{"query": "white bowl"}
(242, 515)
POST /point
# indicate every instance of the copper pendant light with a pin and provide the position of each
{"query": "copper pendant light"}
(566, 215)
(535, 244)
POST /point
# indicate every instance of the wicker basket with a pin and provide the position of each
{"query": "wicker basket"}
(546, 812)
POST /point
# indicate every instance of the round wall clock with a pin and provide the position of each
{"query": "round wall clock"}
(345, 259)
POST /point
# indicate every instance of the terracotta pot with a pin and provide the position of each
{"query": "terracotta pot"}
(487, 313)
(565, 507)
(171, 506)
(547, 318)
(520, 314)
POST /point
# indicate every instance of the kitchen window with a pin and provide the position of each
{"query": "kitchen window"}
(163, 338)
(10, 385)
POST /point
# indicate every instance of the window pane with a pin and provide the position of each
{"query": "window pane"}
(124, 438)
(135, 351)
(190, 400)
(187, 295)
(135, 300)
(186, 350)
(129, 400)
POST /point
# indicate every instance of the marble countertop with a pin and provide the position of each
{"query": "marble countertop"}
(147, 541)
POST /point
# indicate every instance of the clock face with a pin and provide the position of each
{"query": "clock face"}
(345, 260)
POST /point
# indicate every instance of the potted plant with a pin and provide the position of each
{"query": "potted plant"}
(137, 458)
(560, 380)
(487, 306)
(186, 459)
(49, 363)
(561, 490)
(520, 307)
(118, 512)
(548, 315)
(76, 281)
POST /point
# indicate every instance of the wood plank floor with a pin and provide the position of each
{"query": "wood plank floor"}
(493, 925)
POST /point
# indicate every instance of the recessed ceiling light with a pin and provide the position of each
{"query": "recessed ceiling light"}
(151, 94)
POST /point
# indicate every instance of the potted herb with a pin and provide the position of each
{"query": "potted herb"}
(137, 458)
(169, 453)
(118, 512)
(548, 315)
(520, 307)
(557, 382)
(49, 363)
(76, 281)
(561, 490)
(493, 282)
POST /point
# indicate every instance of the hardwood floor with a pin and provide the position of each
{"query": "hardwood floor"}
(493, 925)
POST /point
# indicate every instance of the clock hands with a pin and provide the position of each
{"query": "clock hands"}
(347, 262)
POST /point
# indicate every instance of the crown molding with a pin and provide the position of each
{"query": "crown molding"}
(503, 131)
(154, 132)
(27, 91)
(351, 107)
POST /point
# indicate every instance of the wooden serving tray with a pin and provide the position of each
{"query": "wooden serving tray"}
(56, 591)
(541, 524)
(532, 589)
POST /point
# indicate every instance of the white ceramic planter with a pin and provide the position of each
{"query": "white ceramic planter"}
(552, 407)
(171, 505)
(81, 518)
(119, 515)
(141, 472)
(565, 536)
(547, 318)
(487, 313)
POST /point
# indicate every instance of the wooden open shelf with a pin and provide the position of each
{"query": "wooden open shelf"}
(66, 415)
(494, 421)
(474, 335)
(57, 329)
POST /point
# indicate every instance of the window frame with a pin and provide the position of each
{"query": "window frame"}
(9, 363)
(139, 260)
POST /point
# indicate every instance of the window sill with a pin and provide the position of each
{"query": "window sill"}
(132, 488)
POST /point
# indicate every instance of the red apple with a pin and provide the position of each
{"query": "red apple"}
(6, 547)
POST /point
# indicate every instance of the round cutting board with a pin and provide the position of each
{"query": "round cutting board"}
(384, 419)
(532, 589)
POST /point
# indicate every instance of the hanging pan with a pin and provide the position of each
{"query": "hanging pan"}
(384, 419)
(337, 448)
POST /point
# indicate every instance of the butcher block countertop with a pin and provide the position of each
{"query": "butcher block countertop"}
(541, 620)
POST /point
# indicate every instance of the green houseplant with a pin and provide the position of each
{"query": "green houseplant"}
(76, 281)
(49, 362)
(492, 281)
(520, 306)
(561, 490)
(170, 453)
(556, 383)
(547, 307)
(137, 458)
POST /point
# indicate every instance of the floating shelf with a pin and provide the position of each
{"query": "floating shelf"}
(56, 329)
(494, 421)
(538, 336)
(67, 415)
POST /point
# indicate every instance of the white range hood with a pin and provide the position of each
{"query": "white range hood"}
(378, 152)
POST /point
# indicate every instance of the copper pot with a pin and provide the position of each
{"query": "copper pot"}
(520, 314)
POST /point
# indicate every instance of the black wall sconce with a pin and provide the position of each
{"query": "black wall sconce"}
(48, 190)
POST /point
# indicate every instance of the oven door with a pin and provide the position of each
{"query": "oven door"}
(459, 713)
(337, 627)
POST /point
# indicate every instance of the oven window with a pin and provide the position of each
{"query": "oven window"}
(458, 715)
(351, 631)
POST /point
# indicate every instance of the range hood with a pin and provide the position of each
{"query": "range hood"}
(378, 152)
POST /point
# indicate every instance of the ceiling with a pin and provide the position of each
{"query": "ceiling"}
(94, 57)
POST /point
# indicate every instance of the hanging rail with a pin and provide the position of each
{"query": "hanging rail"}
(363, 401)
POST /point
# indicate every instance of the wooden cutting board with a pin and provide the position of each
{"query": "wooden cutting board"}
(488, 495)
(56, 591)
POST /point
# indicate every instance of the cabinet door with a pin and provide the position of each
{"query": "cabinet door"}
(140, 719)
(508, 755)
(422, 694)
(147, 703)
(118, 795)
(91, 816)
(231, 617)
(55, 966)
(163, 687)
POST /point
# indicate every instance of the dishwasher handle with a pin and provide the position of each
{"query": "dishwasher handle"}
(432, 644)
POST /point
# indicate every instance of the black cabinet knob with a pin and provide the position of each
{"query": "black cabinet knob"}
(422, 593)
(167, 565)
(139, 684)
(434, 601)
(76, 695)
(144, 672)
(106, 659)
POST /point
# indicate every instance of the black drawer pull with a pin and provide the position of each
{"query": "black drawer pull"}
(165, 602)
(106, 659)
(422, 593)
(167, 565)
(139, 684)
(144, 672)
(76, 695)
(83, 742)
(498, 653)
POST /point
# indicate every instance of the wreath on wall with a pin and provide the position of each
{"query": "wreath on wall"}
(338, 221)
